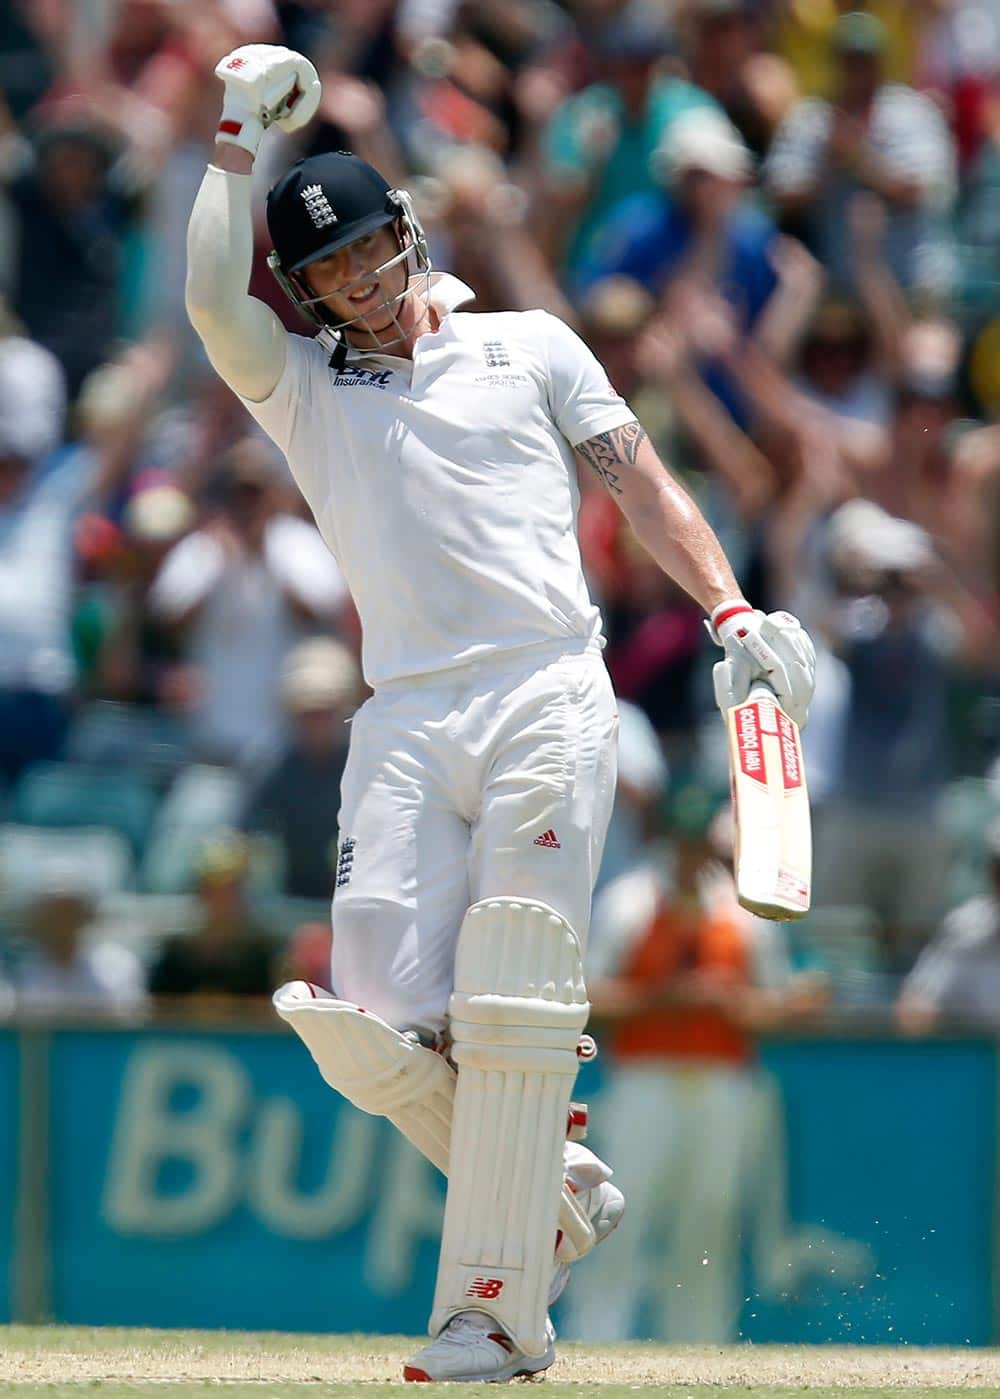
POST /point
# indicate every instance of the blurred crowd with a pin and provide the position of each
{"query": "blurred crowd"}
(777, 222)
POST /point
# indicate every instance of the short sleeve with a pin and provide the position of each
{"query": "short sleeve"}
(278, 413)
(581, 397)
(187, 576)
(578, 135)
(288, 414)
(797, 153)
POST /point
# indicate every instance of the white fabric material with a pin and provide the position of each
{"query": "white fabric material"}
(244, 339)
(375, 1067)
(448, 792)
(446, 488)
(32, 399)
(103, 978)
(517, 1011)
(265, 84)
(392, 1075)
(246, 626)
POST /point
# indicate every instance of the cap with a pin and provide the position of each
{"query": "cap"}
(616, 305)
(32, 399)
(158, 513)
(223, 857)
(703, 139)
(859, 32)
(319, 674)
(323, 203)
(633, 37)
(864, 535)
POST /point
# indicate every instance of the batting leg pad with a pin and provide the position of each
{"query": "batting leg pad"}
(517, 1011)
(377, 1068)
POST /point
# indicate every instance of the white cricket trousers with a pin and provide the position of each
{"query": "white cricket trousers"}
(493, 779)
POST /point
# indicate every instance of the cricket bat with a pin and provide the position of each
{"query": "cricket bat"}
(773, 835)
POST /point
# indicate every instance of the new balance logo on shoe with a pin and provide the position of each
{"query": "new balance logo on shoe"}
(487, 1288)
(549, 840)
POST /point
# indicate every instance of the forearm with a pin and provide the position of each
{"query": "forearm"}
(665, 519)
(672, 529)
(244, 338)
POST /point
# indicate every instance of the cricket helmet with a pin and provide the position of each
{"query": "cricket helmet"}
(325, 202)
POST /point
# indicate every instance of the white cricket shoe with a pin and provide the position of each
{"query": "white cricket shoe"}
(471, 1347)
(604, 1204)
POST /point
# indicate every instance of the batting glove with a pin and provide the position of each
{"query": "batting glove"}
(773, 648)
(265, 84)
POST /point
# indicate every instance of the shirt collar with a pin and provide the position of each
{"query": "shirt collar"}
(446, 294)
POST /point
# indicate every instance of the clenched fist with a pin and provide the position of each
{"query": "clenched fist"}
(265, 83)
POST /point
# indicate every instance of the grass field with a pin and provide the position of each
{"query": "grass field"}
(76, 1362)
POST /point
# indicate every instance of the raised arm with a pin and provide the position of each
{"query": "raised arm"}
(245, 340)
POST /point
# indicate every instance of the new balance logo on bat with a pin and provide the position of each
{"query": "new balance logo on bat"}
(487, 1288)
(549, 840)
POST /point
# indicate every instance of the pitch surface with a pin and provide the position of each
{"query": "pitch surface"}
(111, 1363)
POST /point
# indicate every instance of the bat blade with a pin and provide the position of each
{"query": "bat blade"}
(773, 831)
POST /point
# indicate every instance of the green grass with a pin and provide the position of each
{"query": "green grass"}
(116, 1363)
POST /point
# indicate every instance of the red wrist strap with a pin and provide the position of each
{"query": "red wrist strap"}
(733, 610)
(231, 128)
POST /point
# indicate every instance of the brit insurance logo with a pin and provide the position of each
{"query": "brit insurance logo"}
(352, 376)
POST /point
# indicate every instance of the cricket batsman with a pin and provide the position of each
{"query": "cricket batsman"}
(437, 451)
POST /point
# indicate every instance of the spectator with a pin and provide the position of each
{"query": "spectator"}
(39, 499)
(837, 368)
(957, 977)
(902, 641)
(243, 589)
(298, 799)
(724, 57)
(69, 221)
(877, 136)
(228, 953)
(65, 968)
(642, 776)
(699, 233)
(805, 33)
(599, 146)
(682, 978)
(137, 660)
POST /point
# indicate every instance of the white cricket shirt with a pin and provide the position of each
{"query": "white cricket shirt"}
(446, 487)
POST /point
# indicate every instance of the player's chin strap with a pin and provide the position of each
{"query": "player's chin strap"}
(393, 1075)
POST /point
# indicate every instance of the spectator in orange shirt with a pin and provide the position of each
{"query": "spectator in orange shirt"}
(682, 978)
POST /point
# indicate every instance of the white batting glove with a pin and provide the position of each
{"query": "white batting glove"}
(773, 648)
(265, 84)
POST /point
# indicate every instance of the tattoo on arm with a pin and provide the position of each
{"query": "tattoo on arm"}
(608, 452)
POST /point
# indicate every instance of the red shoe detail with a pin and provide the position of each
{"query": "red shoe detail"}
(410, 1372)
(502, 1340)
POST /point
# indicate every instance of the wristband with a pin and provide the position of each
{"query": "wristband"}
(725, 618)
(240, 127)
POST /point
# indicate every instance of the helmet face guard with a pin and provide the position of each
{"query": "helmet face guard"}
(413, 255)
